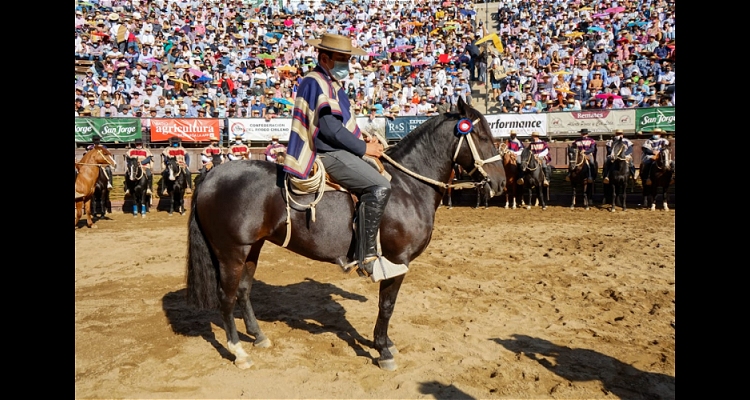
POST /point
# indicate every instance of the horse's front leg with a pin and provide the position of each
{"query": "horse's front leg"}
(89, 217)
(79, 211)
(613, 195)
(585, 195)
(386, 302)
(573, 202)
(665, 196)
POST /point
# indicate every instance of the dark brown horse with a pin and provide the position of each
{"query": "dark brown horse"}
(510, 165)
(88, 174)
(579, 167)
(242, 205)
(661, 177)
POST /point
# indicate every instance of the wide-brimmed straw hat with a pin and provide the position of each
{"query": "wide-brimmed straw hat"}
(336, 43)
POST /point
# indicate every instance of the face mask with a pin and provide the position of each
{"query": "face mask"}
(340, 70)
(655, 137)
(175, 145)
(238, 141)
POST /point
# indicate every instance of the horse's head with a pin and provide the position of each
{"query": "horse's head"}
(575, 157)
(100, 155)
(133, 167)
(528, 161)
(476, 151)
(173, 168)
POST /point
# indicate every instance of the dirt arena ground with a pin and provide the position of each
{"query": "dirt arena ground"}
(503, 304)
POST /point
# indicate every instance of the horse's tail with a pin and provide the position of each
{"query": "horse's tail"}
(202, 267)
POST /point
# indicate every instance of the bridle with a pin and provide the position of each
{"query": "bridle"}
(577, 153)
(105, 157)
(478, 163)
(525, 164)
(617, 155)
(662, 161)
(135, 176)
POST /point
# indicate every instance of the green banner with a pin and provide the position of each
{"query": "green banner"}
(646, 119)
(110, 129)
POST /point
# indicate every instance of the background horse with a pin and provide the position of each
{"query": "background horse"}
(137, 182)
(661, 176)
(533, 178)
(579, 168)
(619, 172)
(206, 168)
(224, 244)
(176, 184)
(101, 205)
(510, 165)
(88, 173)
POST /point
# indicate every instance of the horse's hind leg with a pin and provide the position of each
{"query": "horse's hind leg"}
(229, 288)
(573, 202)
(386, 302)
(243, 298)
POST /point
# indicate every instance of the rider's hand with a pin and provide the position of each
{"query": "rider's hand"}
(654, 157)
(374, 149)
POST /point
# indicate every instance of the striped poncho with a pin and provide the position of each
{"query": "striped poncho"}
(316, 92)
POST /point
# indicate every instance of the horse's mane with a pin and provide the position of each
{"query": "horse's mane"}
(91, 153)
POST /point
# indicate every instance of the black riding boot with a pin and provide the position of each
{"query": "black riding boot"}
(150, 177)
(108, 172)
(371, 207)
(671, 164)
(605, 172)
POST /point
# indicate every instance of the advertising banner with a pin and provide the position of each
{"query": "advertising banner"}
(187, 129)
(110, 129)
(596, 121)
(400, 126)
(659, 117)
(524, 124)
(260, 130)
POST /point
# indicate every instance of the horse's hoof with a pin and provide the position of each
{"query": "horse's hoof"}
(143, 215)
(393, 350)
(388, 365)
(612, 209)
(585, 208)
(572, 207)
(135, 215)
(544, 208)
(170, 214)
(528, 207)
(93, 226)
(244, 363)
(263, 344)
(506, 207)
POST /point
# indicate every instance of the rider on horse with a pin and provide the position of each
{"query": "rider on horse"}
(175, 150)
(274, 148)
(334, 136)
(651, 148)
(96, 139)
(515, 146)
(586, 145)
(540, 149)
(239, 150)
(212, 150)
(610, 157)
(146, 159)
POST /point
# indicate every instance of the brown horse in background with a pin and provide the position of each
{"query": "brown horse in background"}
(88, 174)
(511, 171)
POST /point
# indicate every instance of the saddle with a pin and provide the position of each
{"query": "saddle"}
(319, 177)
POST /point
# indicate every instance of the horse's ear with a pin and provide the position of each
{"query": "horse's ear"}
(462, 106)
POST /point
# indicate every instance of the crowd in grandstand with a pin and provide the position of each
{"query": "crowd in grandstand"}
(230, 59)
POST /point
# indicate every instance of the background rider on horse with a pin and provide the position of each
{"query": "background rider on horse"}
(625, 154)
(238, 150)
(586, 145)
(96, 140)
(146, 159)
(175, 150)
(650, 150)
(539, 149)
(272, 150)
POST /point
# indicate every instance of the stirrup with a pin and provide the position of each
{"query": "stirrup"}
(127, 192)
(164, 192)
(148, 192)
(605, 180)
(520, 181)
(567, 178)
(648, 182)
(545, 183)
